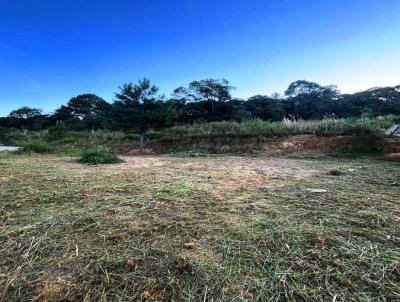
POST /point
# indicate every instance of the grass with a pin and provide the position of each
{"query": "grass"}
(221, 228)
(59, 140)
(257, 127)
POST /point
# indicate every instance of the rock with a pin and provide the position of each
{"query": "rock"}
(189, 246)
(317, 190)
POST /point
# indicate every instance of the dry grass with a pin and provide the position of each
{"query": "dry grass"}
(199, 229)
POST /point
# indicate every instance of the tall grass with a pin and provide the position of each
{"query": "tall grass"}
(258, 127)
(74, 142)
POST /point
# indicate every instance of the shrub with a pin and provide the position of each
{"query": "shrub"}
(58, 131)
(3, 136)
(36, 146)
(154, 135)
(68, 140)
(364, 140)
(258, 127)
(99, 156)
(131, 137)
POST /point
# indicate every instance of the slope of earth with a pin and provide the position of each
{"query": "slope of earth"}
(223, 228)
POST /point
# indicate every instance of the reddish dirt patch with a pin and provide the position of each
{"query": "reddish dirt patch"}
(306, 143)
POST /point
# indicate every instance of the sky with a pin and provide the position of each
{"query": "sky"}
(51, 51)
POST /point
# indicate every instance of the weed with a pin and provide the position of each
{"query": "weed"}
(99, 156)
(36, 146)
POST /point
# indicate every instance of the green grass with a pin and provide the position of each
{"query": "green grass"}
(221, 228)
(36, 146)
(257, 127)
(58, 140)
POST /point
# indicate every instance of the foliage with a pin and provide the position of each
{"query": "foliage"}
(26, 113)
(58, 131)
(259, 127)
(264, 107)
(99, 156)
(36, 146)
(209, 91)
(4, 139)
(138, 107)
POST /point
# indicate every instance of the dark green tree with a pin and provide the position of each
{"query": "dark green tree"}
(129, 105)
(26, 113)
(82, 111)
(265, 108)
(27, 118)
(209, 92)
(84, 106)
(303, 87)
(310, 100)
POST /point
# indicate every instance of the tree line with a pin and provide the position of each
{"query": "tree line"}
(139, 106)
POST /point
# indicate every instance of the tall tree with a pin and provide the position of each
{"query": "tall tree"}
(310, 100)
(84, 106)
(26, 113)
(301, 87)
(26, 117)
(131, 94)
(210, 91)
(131, 105)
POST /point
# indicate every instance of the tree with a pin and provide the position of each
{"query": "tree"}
(305, 87)
(82, 111)
(265, 108)
(310, 100)
(26, 113)
(131, 106)
(131, 95)
(84, 106)
(375, 101)
(63, 113)
(209, 91)
(26, 117)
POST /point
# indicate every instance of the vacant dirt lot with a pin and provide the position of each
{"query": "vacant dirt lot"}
(221, 228)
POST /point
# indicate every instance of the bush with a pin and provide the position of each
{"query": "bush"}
(258, 127)
(58, 131)
(131, 137)
(68, 140)
(3, 136)
(36, 146)
(154, 135)
(99, 156)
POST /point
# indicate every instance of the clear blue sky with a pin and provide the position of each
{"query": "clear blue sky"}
(53, 50)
